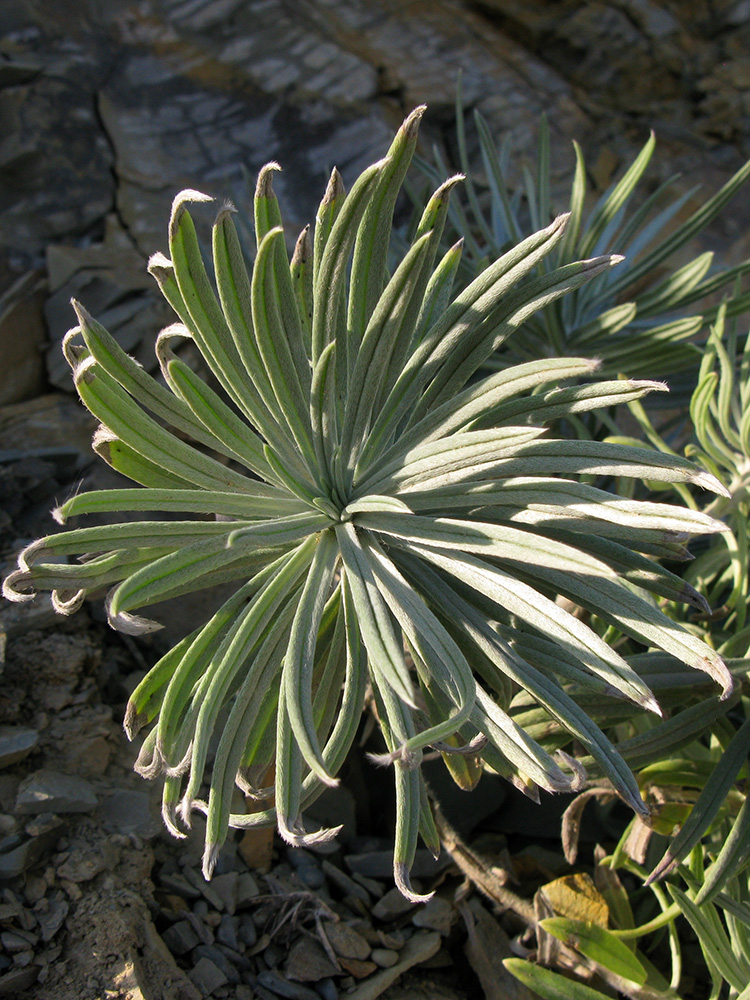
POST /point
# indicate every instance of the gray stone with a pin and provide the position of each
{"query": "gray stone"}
(22, 336)
(50, 914)
(205, 888)
(225, 887)
(180, 938)
(437, 915)
(272, 981)
(226, 932)
(15, 942)
(207, 976)
(236, 958)
(203, 932)
(386, 958)
(129, 812)
(44, 833)
(392, 905)
(219, 959)
(18, 980)
(247, 889)
(50, 791)
(177, 884)
(326, 989)
(307, 962)
(16, 743)
(247, 933)
(346, 942)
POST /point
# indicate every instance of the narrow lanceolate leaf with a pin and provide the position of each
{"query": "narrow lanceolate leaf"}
(163, 403)
(376, 626)
(260, 502)
(432, 642)
(713, 939)
(202, 312)
(478, 300)
(392, 317)
(279, 338)
(709, 802)
(229, 430)
(731, 859)
(458, 457)
(478, 400)
(373, 235)
(300, 654)
(470, 621)
(330, 278)
(122, 415)
(544, 616)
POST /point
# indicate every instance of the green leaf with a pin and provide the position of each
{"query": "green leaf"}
(713, 939)
(708, 804)
(548, 984)
(599, 945)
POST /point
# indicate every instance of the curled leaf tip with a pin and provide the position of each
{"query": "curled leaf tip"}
(150, 762)
(83, 371)
(410, 124)
(67, 602)
(169, 818)
(295, 834)
(179, 204)
(264, 187)
(157, 264)
(577, 782)
(13, 584)
(133, 722)
(122, 621)
(73, 352)
(404, 886)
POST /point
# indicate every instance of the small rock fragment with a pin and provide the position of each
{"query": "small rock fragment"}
(272, 981)
(50, 791)
(247, 889)
(129, 812)
(392, 905)
(18, 980)
(207, 976)
(226, 932)
(358, 969)
(16, 743)
(386, 958)
(51, 913)
(225, 887)
(219, 959)
(437, 915)
(307, 962)
(346, 942)
(81, 866)
(180, 938)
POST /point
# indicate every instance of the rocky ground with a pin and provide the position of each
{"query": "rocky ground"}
(107, 109)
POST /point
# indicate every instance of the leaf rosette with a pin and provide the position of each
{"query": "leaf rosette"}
(393, 520)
